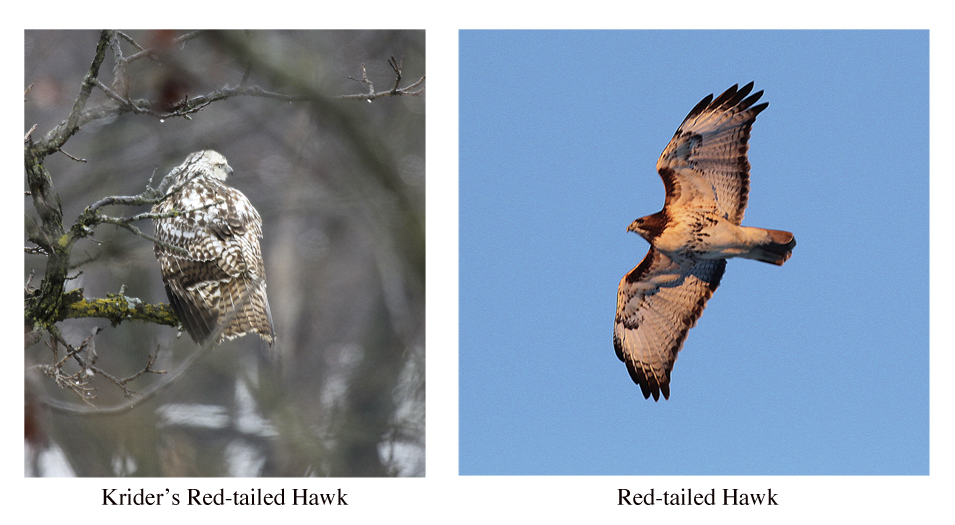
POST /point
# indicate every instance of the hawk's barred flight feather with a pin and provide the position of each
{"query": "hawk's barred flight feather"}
(218, 289)
(705, 171)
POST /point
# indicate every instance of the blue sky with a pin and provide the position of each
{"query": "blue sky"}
(817, 367)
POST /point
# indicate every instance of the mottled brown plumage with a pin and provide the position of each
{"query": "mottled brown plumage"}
(219, 287)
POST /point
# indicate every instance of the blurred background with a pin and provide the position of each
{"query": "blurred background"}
(340, 186)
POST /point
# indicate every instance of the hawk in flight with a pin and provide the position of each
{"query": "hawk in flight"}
(215, 281)
(706, 175)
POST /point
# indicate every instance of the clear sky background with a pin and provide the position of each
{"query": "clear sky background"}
(817, 367)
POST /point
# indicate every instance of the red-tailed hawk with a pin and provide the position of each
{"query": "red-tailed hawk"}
(219, 287)
(706, 175)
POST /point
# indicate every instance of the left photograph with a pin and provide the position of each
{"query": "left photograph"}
(224, 253)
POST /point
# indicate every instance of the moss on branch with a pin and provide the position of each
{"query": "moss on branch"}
(118, 308)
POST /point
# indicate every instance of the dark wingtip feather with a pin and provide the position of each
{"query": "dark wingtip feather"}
(699, 107)
(759, 108)
(733, 96)
(196, 325)
(645, 387)
(729, 96)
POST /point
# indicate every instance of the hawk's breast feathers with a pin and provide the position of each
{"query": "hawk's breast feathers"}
(705, 172)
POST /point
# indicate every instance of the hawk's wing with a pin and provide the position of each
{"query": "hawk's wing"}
(222, 279)
(705, 164)
(657, 304)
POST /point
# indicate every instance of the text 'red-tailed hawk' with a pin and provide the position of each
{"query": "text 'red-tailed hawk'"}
(216, 280)
(706, 175)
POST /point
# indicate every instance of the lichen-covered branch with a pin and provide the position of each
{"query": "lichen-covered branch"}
(42, 308)
(118, 308)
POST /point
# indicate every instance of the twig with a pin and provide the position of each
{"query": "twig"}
(136, 231)
(364, 80)
(121, 383)
(150, 53)
(248, 65)
(397, 67)
(150, 196)
(394, 92)
(124, 101)
(129, 39)
(78, 382)
(70, 156)
(407, 90)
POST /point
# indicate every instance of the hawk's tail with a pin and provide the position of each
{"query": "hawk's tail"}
(777, 249)
(253, 316)
(224, 310)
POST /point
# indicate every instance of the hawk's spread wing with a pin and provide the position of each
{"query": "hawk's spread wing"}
(705, 164)
(657, 304)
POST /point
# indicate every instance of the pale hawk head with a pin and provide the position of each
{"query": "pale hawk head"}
(206, 163)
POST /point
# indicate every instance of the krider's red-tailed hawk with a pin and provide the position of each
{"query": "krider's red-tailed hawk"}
(706, 175)
(216, 280)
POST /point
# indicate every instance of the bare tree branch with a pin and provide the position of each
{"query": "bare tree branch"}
(150, 53)
(85, 357)
(60, 134)
(394, 92)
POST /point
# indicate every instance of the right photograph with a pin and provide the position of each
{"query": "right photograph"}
(694, 253)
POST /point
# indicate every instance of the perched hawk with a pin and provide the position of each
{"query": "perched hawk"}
(706, 175)
(221, 282)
